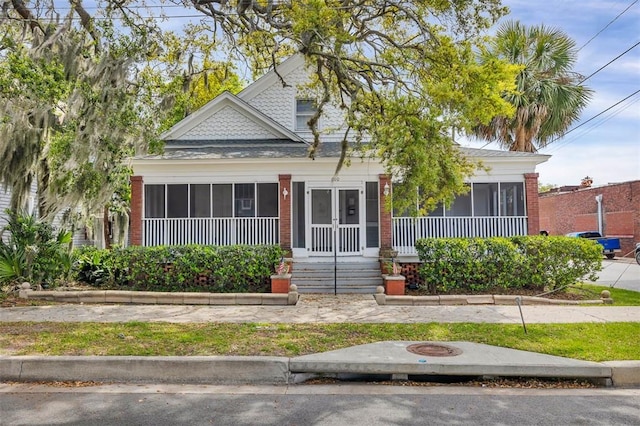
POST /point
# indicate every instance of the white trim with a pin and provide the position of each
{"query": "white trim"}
(258, 86)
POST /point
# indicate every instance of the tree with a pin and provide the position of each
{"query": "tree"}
(80, 94)
(549, 95)
(405, 74)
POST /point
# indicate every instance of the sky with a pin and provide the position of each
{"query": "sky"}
(607, 148)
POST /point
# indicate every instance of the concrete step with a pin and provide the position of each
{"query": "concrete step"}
(340, 290)
(352, 276)
(370, 273)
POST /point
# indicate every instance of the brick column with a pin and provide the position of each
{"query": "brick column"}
(285, 211)
(386, 237)
(135, 219)
(533, 206)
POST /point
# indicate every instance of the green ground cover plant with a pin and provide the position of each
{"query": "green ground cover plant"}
(587, 341)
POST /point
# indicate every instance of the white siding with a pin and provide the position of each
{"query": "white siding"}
(279, 104)
(228, 123)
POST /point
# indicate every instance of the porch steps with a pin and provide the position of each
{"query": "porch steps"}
(352, 277)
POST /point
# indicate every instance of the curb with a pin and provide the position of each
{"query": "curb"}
(205, 370)
(141, 369)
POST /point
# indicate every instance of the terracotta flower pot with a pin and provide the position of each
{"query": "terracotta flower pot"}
(394, 285)
(280, 283)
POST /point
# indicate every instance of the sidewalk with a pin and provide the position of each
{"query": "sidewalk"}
(322, 309)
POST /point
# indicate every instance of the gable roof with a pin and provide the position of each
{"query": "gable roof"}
(227, 103)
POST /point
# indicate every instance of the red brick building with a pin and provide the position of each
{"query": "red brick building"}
(578, 210)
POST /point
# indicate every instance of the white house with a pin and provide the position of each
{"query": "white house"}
(237, 172)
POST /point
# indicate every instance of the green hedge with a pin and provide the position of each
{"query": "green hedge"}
(194, 268)
(485, 264)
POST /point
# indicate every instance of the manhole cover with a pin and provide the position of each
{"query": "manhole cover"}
(433, 349)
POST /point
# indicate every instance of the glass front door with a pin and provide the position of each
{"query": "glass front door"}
(335, 222)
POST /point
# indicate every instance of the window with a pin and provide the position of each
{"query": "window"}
(305, 109)
(244, 196)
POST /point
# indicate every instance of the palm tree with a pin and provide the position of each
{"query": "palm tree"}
(549, 96)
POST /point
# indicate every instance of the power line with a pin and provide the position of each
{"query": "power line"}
(597, 115)
(608, 63)
(607, 26)
(558, 146)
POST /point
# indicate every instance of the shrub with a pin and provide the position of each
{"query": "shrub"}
(217, 269)
(477, 264)
(34, 251)
(554, 262)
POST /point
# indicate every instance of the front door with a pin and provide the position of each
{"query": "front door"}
(335, 222)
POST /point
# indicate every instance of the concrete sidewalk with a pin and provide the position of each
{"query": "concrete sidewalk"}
(312, 308)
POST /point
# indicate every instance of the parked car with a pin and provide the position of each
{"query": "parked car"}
(609, 245)
(638, 253)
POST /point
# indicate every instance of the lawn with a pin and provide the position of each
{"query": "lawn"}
(621, 297)
(587, 341)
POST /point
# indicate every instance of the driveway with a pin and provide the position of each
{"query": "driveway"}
(620, 273)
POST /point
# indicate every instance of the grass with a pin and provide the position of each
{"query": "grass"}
(621, 297)
(587, 341)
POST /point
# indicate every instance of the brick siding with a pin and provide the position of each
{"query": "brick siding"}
(135, 221)
(285, 212)
(561, 213)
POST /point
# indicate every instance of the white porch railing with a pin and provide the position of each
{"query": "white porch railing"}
(211, 231)
(406, 230)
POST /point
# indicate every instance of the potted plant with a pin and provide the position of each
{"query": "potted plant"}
(394, 283)
(281, 281)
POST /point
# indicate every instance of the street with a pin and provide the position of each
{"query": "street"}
(336, 404)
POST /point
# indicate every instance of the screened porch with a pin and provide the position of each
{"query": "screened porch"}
(495, 209)
(211, 214)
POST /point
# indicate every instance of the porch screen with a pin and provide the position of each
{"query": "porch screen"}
(267, 199)
(177, 201)
(460, 207)
(154, 201)
(485, 199)
(200, 200)
(372, 209)
(511, 199)
(211, 200)
(222, 200)
(298, 214)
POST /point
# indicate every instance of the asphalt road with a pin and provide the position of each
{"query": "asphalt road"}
(359, 404)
